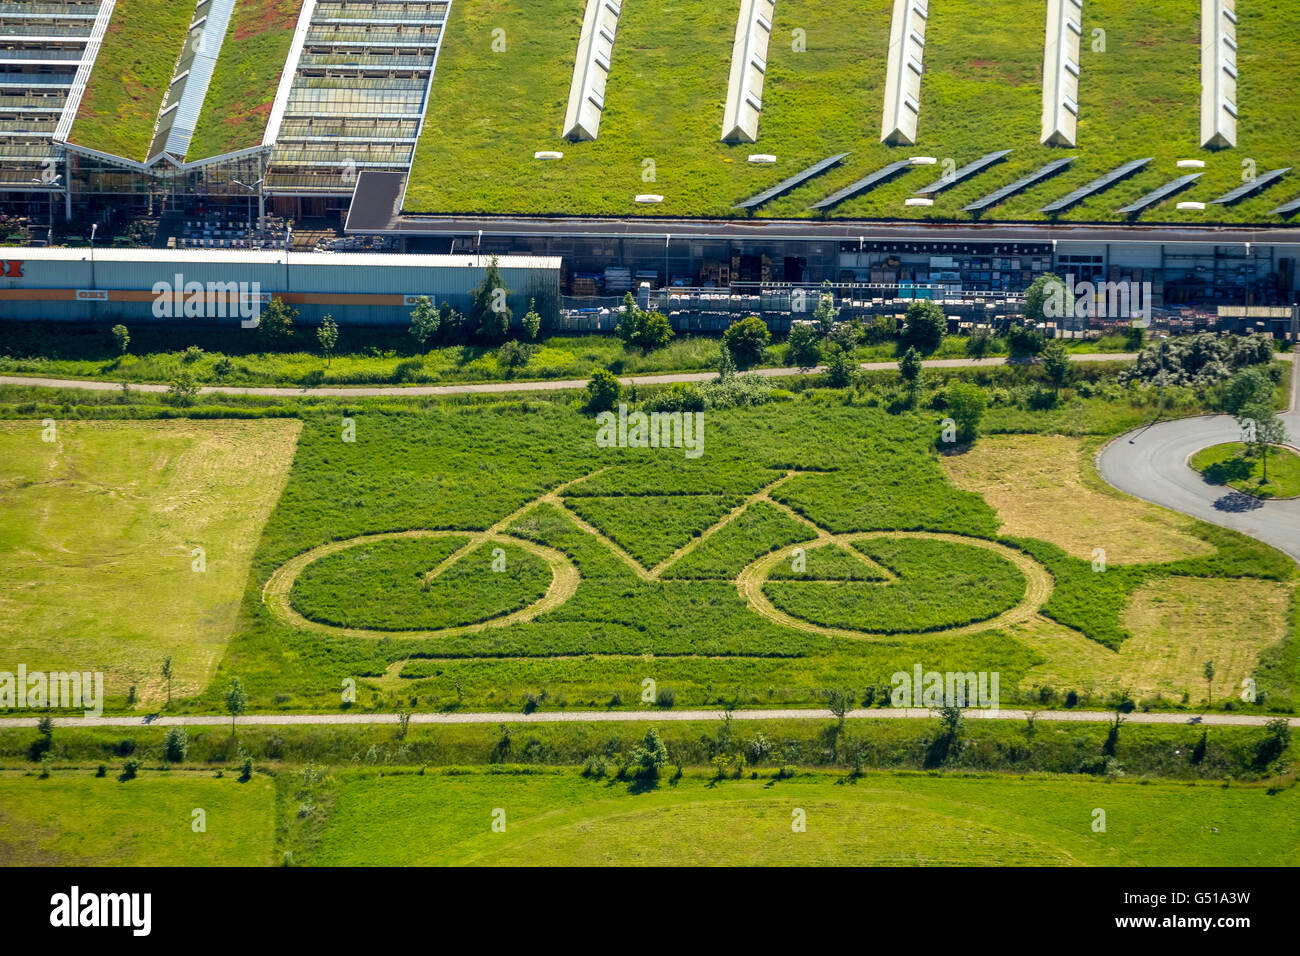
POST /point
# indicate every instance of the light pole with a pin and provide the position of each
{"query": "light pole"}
(53, 183)
(94, 228)
(255, 188)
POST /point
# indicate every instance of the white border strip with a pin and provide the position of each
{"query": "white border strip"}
(73, 103)
(281, 103)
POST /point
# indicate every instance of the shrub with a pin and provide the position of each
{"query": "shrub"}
(745, 341)
(603, 391)
(804, 348)
(924, 326)
(223, 367)
(130, 767)
(121, 338)
(124, 747)
(665, 697)
(407, 371)
(514, 355)
(680, 397)
(246, 769)
(979, 344)
(192, 354)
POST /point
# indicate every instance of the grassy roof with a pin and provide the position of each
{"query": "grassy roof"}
(982, 91)
(134, 67)
(246, 78)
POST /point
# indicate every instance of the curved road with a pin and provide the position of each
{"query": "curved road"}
(1151, 463)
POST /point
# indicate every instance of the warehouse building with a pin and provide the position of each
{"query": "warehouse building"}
(158, 284)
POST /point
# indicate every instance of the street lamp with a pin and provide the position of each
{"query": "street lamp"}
(94, 228)
(261, 204)
(53, 183)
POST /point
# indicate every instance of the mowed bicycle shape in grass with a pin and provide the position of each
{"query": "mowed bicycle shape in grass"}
(861, 585)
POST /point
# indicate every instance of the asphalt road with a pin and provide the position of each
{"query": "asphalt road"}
(1151, 463)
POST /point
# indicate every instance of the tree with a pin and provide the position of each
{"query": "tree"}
(1209, 683)
(176, 746)
(532, 321)
(167, 676)
(839, 370)
(1250, 386)
(1024, 339)
(629, 321)
(825, 314)
(489, 312)
(275, 324)
(121, 338)
(726, 364)
(1034, 306)
(1056, 364)
(924, 326)
(424, 321)
(236, 701)
(966, 404)
(327, 334)
(650, 756)
(909, 366)
(746, 340)
(1262, 429)
(804, 348)
(183, 390)
(656, 331)
(603, 391)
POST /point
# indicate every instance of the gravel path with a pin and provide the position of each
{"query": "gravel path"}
(640, 716)
(371, 391)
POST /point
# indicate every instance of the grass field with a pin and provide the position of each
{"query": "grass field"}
(77, 819)
(659, 547)
(1139, 97)
(98, 529)
(559, 818)
(373, 356)
(658, 561)
(1229, 465)
(1032, 480)
(132, 71)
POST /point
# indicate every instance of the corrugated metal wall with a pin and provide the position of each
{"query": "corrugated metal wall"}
(449, 280)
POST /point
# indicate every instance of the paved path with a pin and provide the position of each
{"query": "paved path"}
(472, 388)
(1151, 463)
(642, 716)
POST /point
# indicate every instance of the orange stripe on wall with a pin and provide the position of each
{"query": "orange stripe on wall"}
(133, 295)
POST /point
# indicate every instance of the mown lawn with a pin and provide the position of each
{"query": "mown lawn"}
(99, 529)
(1230, 465)
(75, 818)
(1139, 97)
(558, 818)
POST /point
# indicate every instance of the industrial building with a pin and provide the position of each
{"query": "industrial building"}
(363, 289)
